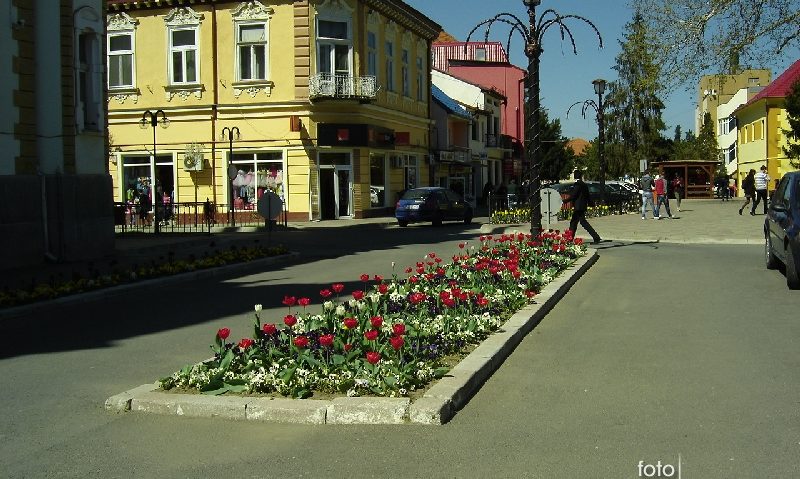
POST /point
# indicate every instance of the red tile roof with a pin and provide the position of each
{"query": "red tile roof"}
(781, 86)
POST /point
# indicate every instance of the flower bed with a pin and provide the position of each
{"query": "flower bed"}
(389, 338)
(170, 266)
(523, 215)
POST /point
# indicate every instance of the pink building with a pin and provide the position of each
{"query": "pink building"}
(487, 65)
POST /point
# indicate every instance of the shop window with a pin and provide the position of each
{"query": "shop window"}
(257, 173)
(377, 180)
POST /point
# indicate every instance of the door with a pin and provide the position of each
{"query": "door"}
(343, 189)
(327, 194)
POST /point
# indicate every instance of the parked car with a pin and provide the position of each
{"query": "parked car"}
(615, 193)
(434, 204)
(781, 228)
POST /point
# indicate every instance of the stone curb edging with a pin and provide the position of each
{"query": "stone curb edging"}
(17, 311)
(437, 406)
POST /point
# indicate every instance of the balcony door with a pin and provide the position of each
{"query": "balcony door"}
(334, 64)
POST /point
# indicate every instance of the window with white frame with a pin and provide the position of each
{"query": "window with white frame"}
(120, 60)
(184, 60)
(257, 173)
(372, 54)
(404, 71)
(389, 50)
(333, 47)
(420, 80)
(251, 51)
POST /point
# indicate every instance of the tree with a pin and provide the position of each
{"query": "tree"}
(557, 160)
(677, 137)
(695, 37)
(634, 108)
(792, 148)
(706, 144)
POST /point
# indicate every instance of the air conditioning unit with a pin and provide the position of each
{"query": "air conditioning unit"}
(193, 163)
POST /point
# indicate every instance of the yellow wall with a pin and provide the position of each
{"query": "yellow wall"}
(763, 145)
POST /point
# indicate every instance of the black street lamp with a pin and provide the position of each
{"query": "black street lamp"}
(532, 33)
(599, 108)
(154, 119)
(230, 133)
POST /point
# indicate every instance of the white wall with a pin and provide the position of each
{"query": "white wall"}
(9, 147)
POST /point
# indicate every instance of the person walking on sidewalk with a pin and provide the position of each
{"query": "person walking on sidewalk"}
(646, 187)
(661, 195)
(749, 188)
(581, 201)
(677, 188)
(761, 180)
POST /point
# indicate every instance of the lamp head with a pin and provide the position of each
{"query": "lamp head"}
(531, 3)
(599, 86)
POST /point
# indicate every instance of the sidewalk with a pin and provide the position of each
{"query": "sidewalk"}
(701, 221)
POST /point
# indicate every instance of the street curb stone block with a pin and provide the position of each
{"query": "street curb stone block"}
(431, 411)
(289, 411)
(191, 405)
(368, 410)
(122, 401)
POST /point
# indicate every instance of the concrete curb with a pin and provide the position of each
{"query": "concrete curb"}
(31, 308)
(437, 406)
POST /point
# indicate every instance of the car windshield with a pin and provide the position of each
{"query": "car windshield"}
(416, 194)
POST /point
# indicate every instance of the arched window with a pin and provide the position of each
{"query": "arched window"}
(88, 67)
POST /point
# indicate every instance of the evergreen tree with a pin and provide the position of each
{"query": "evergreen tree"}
(677, 137)
(706, 144)
(633, 104)
(792, 148)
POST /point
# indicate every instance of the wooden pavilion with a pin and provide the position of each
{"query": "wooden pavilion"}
(698, 175)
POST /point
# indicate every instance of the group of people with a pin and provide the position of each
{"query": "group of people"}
(139, 197)
(661, 186)
(755, 189)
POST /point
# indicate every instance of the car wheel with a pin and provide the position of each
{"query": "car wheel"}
(402, 223)
(772, 260)
(437, 219)
(792, 278)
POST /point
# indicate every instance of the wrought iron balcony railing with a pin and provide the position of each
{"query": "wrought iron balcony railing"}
(327, 85)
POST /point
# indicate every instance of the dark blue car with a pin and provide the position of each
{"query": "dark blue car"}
(432, 204)
(781, 228)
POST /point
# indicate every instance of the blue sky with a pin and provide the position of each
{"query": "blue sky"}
(565, 77)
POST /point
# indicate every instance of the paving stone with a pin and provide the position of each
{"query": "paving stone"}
(294, 411)
(368, 410)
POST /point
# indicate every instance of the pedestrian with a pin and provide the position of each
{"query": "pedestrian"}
(749, 188)
(761, 180)
(661, 196)
(581, 201)
(646, 187)
(677, 188)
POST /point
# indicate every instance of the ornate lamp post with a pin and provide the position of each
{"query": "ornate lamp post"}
(230, 133)
(599, 108)
(532, 33)
(154, 119)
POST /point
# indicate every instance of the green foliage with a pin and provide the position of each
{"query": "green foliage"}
(557, 161)
(792, 148)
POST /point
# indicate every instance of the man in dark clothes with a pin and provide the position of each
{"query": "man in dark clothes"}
(581, 200)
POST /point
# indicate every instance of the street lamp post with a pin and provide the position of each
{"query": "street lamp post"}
(532, 33)
(599, 108)
(154, 119)
(230, 133)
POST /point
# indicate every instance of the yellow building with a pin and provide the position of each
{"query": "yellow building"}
(761, 122)
(324, 102)
(716, 90)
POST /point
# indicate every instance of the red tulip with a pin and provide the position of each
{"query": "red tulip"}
(365, 277)
(358, 295)
(325, 293)
(482, 301)
(376, 321)
(301, 341)
(289, 320)
(350, 323)
(461, 245)
(337, 288)
(326, 340)
(348, 347)
(304, 302)
(397, 342)
(269, 329)
(289, 300)
(378, 278)
(450, 303)
(408, 270)
(373, 357)
(223, 333)
(371, 335)
(383, 289)
(399, 329)
(245, 343)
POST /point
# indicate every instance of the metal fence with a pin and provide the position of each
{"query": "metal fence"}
(201, 217)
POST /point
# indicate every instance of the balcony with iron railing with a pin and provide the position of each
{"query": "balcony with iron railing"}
(329, 86)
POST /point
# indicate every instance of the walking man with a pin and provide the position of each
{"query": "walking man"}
(646, 186)
(581, 200)
(661, 195)
(761, 180)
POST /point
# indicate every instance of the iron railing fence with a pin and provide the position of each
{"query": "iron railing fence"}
(190, 217)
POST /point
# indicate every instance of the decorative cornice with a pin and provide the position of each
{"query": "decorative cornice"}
(334, 6)
(407, 16)
(252, 10)
(121, 21)
(253, 89)
(179, 16)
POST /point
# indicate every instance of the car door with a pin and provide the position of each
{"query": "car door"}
(779, 217)
(455, 205)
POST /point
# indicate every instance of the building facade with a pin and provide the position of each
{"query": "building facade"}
(323, 102)
(716, 90)
(55, 191)
(453, 166)
(761, 122)
(727, 131)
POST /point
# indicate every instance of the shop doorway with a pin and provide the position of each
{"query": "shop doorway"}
(327, 194)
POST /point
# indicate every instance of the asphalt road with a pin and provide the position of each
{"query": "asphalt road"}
(660, 350)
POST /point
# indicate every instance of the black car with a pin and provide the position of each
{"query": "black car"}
(432, 204)
(615, 194)
(781, 228)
